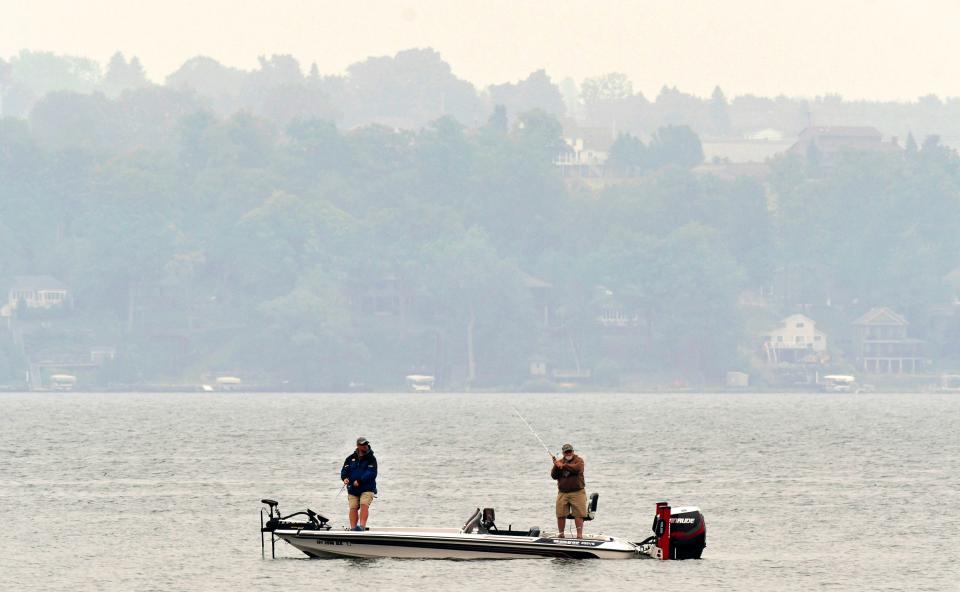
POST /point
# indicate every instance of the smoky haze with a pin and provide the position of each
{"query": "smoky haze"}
(861, 49)
(532, 208)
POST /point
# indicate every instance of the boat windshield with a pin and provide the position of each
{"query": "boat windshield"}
(473, 524)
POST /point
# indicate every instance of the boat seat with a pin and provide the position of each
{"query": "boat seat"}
(591, 507)
(488, 521)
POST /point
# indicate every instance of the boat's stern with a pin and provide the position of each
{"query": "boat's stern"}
(678, 533)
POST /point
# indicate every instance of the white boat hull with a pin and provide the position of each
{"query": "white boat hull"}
(452, 544)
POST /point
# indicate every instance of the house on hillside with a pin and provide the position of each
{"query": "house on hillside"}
(382, 296)
(36, 292)
(759, 171)
(831, 140)
(541, 294)
(752, 148)
(613, 313)
(587, 149)
(796, 341)
(882, 345)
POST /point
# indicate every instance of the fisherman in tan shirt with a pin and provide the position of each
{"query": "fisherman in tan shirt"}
(572, 493)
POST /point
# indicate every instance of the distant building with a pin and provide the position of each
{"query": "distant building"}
(612, 313)
(797, 341)
(737, 379)
(379, 297)
(830, 140)
(743, 150)
(538, 366)
(541, 293)
(586, 152)
(882, 345)
(758, 171)
(36, 291)
(766, 135)
(102, 354)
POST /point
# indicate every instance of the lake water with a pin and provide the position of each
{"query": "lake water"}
(161, 491)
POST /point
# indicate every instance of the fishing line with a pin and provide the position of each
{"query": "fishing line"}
(532, 431)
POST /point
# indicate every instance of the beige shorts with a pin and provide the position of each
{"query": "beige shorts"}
(364, 499)
(572, 502)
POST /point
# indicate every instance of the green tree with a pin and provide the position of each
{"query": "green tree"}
(608, 100)
(444, 160)
(41, 72)
(209, 78)
(719, 114)
(628, 155)
(482, 304)
(308, 339)
(609, 87)
(537, 91)
(498, 121)
(676, 145)
(122, 75)
(911, 147)
(408, 90)
(73, 120)
(693, 290)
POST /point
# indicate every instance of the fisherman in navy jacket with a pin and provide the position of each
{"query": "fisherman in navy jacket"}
(359, 475)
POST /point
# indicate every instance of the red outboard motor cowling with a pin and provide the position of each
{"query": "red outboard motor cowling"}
(679, 533)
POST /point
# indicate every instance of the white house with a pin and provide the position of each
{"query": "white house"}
(36, 291)
(586, 152)
(797, 340)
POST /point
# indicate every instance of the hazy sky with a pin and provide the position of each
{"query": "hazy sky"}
(887, 49)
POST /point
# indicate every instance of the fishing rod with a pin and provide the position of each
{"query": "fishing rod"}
(536, 435)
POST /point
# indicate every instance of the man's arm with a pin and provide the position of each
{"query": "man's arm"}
(576, 466)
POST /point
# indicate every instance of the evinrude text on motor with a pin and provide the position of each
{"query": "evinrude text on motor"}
(479, 538)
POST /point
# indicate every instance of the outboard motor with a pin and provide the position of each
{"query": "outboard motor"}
(679, 533)
(688, 533)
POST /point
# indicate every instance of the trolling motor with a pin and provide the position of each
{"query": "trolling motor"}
(677, 534)
(275, 522)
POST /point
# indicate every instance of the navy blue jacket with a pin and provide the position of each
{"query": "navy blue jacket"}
(362, 469)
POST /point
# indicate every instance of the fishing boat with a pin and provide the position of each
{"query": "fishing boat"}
(680, 535)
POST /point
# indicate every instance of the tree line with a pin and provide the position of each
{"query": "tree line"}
(416, 86)
(312, 255)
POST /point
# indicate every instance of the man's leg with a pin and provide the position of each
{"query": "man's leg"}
(354, 506)
(364, 513)
(363, 502)
(561, 513)
(578, 507)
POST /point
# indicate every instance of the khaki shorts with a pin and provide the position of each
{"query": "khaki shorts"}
(572, 502)
(364, 499)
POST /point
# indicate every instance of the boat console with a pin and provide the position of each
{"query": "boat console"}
(484, 522)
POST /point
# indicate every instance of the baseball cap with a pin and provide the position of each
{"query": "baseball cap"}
(567, 448)
(361, 441)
